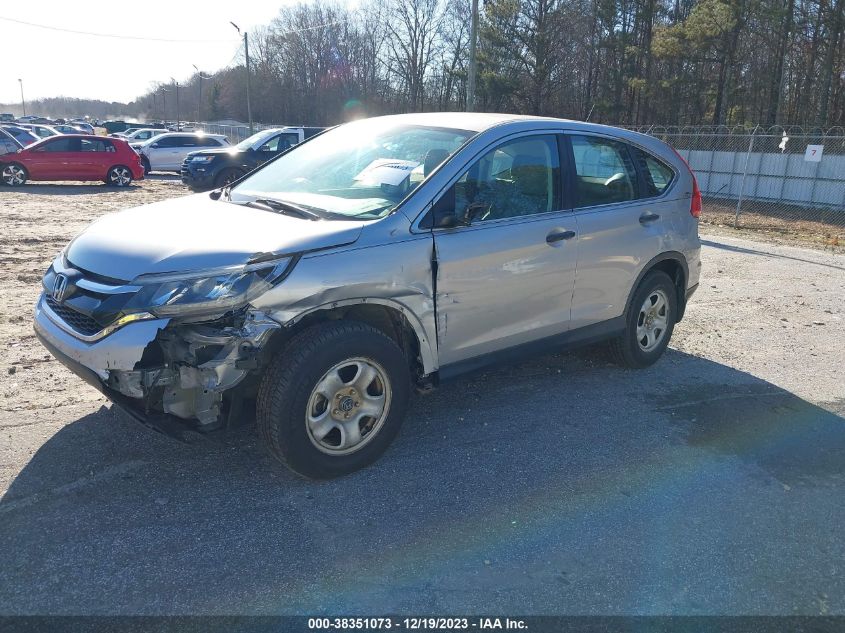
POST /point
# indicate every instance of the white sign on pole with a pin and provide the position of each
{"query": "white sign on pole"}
(813, 153)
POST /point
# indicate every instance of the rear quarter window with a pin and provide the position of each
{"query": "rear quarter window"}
(657, 174)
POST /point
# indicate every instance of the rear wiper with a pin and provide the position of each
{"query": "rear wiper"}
(286, 208)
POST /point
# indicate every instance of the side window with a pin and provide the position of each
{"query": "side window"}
(604, 172)
(168, 141)
(657, 174)
(207, 142)
(518, 178)
(7, 146)
(187, 141)
(96, 145)
(62, 145)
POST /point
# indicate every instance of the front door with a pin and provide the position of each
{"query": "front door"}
(507, 277)
(54, 160)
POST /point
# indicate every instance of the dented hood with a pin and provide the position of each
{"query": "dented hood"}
(196, 232)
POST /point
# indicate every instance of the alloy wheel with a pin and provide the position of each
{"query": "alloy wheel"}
(653, 320)
(14, 175)
(120, 176)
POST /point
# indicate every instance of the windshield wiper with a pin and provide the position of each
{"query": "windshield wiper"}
(286, 208)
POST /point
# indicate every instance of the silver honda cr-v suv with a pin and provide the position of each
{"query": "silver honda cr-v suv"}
(382, 255)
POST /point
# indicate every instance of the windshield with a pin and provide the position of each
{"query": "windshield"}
(252, 140)
(359, 170)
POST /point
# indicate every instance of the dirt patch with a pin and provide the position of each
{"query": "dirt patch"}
(819, 228)
(38, 220)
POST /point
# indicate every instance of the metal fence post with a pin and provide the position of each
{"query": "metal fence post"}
(744, 174)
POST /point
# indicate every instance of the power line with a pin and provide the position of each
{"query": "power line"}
(110, 35)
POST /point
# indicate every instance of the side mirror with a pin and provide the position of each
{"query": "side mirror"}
(154, 146)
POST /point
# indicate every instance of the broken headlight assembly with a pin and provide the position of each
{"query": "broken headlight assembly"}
(206, 292)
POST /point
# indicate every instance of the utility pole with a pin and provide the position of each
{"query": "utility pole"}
(163, 104)
(246, 52)
(199, 99)
(473, 36)
(178, 126)
(23, 103)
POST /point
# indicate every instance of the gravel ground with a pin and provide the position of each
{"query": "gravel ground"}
(711, 483)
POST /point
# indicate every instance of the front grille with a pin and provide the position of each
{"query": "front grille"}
(77, 321)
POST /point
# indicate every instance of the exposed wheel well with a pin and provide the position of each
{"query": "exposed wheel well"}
(677, 272)
(385, 319)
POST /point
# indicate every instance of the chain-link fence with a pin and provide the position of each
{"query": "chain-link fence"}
(786, 179)
(235, 133)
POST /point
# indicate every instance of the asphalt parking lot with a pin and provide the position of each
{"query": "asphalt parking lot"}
(710, 483)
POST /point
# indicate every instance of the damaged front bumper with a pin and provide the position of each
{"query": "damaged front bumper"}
(157, 369)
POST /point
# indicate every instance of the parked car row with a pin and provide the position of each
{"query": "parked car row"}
(204, 161)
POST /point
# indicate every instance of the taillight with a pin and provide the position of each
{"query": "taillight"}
(695, 202)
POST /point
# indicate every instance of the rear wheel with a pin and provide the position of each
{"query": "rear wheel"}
(119, 176)
(333, 399)
(227, 177)
(14, 175)
(649, 323)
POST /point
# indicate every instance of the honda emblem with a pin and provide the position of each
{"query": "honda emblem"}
(60, 288)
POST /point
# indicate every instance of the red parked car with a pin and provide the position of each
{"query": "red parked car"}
(73, 157)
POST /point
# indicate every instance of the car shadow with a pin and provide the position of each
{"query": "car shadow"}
(561, 485)
(74, 188)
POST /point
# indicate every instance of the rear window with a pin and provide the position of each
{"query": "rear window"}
(657, 174)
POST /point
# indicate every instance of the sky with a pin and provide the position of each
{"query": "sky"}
(53, 63)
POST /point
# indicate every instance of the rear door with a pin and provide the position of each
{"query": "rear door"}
(97, 156)
(621, 228)
(506, 279)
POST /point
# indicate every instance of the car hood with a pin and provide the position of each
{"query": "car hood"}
(218, 150)
(194, 233)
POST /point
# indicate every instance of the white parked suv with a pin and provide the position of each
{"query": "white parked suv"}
(166, 152)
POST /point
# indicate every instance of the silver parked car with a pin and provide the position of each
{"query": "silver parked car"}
(382, 255)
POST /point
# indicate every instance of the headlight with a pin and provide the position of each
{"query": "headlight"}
(205, 292)
(202, 159)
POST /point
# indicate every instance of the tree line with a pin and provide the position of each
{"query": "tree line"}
(629, 62)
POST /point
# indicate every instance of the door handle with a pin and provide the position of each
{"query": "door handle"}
(645, 218)
(557, 236)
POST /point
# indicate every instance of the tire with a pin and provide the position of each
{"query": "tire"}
(145, 163)
(14, 175)
(644, 340)
(292, 412)
(227, 176)
(119, 176)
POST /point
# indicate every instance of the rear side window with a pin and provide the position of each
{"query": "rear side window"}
(96, 145)
(657, 174)
(206, 141)
(604, 171)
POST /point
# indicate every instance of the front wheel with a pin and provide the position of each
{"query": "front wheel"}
(333, 399)
(227, 177)
(145, 163)
(14, 175)
(649, 322)
(119, 176)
